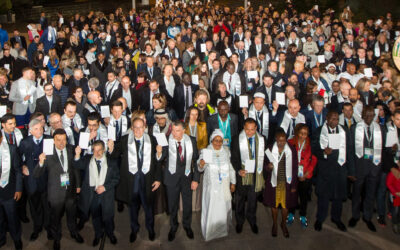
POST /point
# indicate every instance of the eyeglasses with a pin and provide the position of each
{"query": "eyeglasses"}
(49, 89)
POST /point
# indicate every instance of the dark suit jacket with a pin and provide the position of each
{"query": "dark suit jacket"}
(310, 120)
(14, 41)
(82, 83)
(52, 166)
(274, 89)
(96, 70)
(179, 175)
(110, 182)
(163, 85)
(156, 72)
(15, 178)
(178, 102)
(42, 105)
(253, 50)
(118, 93)
(212, 124)
(125, 187)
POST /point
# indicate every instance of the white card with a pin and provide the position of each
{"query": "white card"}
(249, 166)
(126, 26)
(7, 66)
(376, 112)
(48, 146)
(252, 74)
(108, 38)
(368, 72)
(280, 98)
(321, 59)
(195, 79)
(397, 33)
(203, 47)
(334, 141)
(46, 60)
(84, 140)
(243, 101)
(29, 27)
(378, 22)
(3, 110)
(86, 72)
(208, 155)
(111, 131)
(161, 139)
(303, 39)
(391, 138)
(105, 111)
(228, 52)
(61, 20)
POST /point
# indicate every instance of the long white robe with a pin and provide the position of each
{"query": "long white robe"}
(216, 212)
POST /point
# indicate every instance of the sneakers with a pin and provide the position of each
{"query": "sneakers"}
(290, 219)
(381, 221)
(303, 221)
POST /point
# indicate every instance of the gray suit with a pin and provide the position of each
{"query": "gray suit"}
(18, 91)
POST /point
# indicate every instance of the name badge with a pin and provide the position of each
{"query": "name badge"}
(226, 142)
(249, 86)
(103, 48)
(300, 173)
(64, 179)
(270, 106)
(368, 153)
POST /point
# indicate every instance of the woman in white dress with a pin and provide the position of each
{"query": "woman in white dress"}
(218, 182)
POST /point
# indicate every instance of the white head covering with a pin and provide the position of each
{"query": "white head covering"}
(217, 132)
(259, 94)
(330, 65)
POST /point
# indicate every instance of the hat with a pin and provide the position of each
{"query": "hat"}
(330, 65)
(217, 132)
(259, 95)
(160, 113)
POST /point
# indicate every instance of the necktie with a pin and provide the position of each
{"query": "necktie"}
(187, 98)
(151, 72)
(369, 132)
(72, 124)
(229, 83)
(98, 163)
(251, 147)
(180, 150)
(117, 130)
(349, 123)
(11, 141)
(62, 158)
(37, 142)
(139, 149)
(259, 121)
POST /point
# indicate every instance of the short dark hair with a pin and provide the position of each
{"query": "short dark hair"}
(250, 121)
(116, 103)
(94, 116)
(72, 103)
(178, 123)
(7, 117)
(59, 131)
(99, 143)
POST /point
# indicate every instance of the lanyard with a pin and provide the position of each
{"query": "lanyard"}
(300, 150)
(224, 125)
(319, 123)
(369, 139)
(193, 132)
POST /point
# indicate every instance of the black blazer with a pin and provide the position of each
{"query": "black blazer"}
(15, 178)
(156, 72)
(118, 93)
(52, 166)
(82, 83)
(212, 124)
(163, 85)
(42, 105)
(253, 50)
(178, 102)
(125, 187)
(14, 41)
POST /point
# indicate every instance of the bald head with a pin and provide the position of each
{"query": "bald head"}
(94, 97)
(294, 107)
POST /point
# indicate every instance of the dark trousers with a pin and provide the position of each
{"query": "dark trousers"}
(9, 220)
(323, 207)
(22, 120)
(303, 189)
(99, 224)
(173, 194)
(246, 194)
(367, 177)
(21, 204)
(139, 198)
(39, 210)
(57, 212)
(396, 215)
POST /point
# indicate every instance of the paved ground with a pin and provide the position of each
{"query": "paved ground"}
(328, 238)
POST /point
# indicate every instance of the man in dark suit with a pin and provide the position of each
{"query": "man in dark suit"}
(10, 192)
(62, 178)
(184, 95)
(140, 175)
(30, 148)
(225, 121)
(269, 90)
(127, 92)
(181, 176)
(257, 47)
(49, 103)
(316, 117)
(98, 189)
(152, 71)
(216, 74)
(100, 69)
(77, 80)
(17, 38)
(168, 81)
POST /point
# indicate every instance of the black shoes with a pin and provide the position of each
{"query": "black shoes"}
(381, 221)
(171, 235)
(34, 236)
(78, 238)
(274, 231)
(370, 225)
(318, 226)
(340, 225)
(353, 222)
(120, 207)
(152, 235)
(81, 224)
(239, 228)
(113, 239)
(96, 241)
(24, 219)
(189, 233)
(17, 244)
(132, 237)
(254, 229)
(285, 230)
(56, 245)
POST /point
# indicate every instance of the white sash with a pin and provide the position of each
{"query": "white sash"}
(168, 53)
(377, 143)
(265, 120)
(102, 134)
(97, 179)
(244, 150)
(124, 126)
(324, 141)
(67, 122)
(377, 49)
(391, 128)
(132, 153)
(172, 154)
(157, 130)
(287, 121)
(5, 163)
(275, 162)
(18, 135)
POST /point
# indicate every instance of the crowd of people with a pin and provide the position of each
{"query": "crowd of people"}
(197, 107)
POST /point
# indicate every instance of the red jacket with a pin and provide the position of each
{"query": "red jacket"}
(393, 185)
(308, 160)
(218, 28)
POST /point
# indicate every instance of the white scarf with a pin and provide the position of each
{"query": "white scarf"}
(265, 119)
(287, 121)
(244, 150)
(5, 163)
(67, 121)
(275, 162)
(50, 34)
(102, 134)
(377, 143)
(324, 141)
(392, 131)
(132, 153)
(18, 136)
(175, 53)
(172, 154)
(124, 126)
(377, 50)
(97, 179)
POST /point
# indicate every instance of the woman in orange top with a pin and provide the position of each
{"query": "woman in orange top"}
(307, 162)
